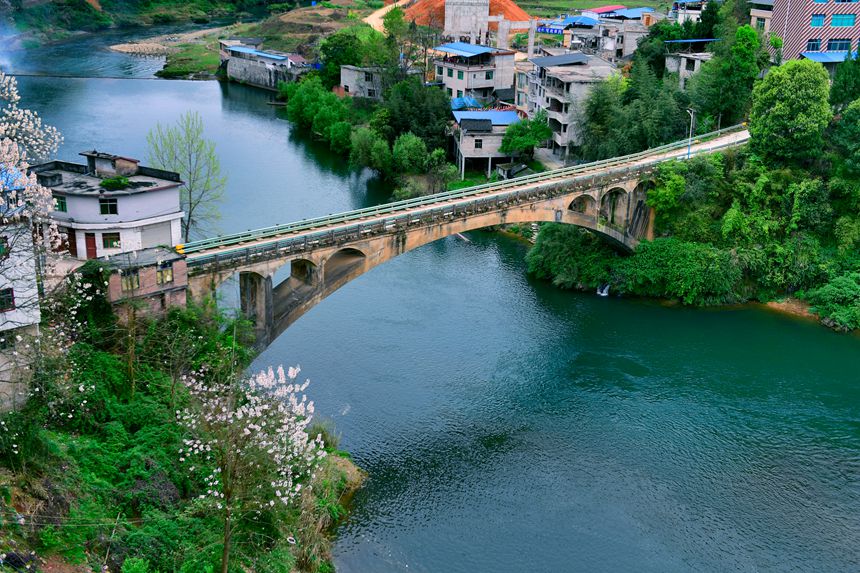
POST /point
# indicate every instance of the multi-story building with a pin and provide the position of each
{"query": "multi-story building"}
(761, 12)
(357, 81)
(824, 31)
(158, 276)
(19, 293)
(473, 70)
(559, 85)
(479, 134)
(612, 34)
(112, 204)
(521, 85)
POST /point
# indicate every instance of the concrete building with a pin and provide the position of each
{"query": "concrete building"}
(825, 32)
(473, 70)
(19, 293)
(521, 85)
(761, 12)
(558, 85)
(359, 81)
(687, 11)
(263, 69)
(157, 276)
(479, 134)
(99, 219)
(225, 44)
(686, 65)
(467, 20)
(612, 34)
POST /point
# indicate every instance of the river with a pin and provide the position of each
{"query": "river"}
(508, 426)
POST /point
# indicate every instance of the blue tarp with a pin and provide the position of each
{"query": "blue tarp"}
(461, 102)
(247, 50)
(10, 180)
(826, 57)
(497, 117)
(465, 50)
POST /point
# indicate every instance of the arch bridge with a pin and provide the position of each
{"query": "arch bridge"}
(323, 254)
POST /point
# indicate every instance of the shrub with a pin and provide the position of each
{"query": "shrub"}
(114, 183)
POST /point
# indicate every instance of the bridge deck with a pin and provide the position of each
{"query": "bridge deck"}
(201, 252)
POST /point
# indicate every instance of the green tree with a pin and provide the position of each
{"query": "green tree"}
(603, 121)
(439, 171)
(409, 154)
(721, 90)
(846, 83)
(340, 49)
(183, 149)
(522, 137)
(416, 109)
(790, 112)
(846, 140)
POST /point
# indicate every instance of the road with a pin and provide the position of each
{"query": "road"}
(375, 19)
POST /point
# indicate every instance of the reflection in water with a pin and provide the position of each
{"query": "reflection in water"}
(509, 426)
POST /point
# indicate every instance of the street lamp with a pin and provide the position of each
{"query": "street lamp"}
(692, 113)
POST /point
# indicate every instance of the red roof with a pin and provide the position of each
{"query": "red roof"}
(604, 9)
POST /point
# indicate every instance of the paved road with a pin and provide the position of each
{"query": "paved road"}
(375, 19)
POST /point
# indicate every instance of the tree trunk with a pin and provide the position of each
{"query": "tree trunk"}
(225, 553)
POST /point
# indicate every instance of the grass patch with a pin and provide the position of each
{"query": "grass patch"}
(191, 59)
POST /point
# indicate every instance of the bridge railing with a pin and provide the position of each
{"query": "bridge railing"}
(220, 245)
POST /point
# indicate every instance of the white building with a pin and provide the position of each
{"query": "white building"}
(474, 71)
(112, 204)
(479, 134)
(19, 293)
(559, 85)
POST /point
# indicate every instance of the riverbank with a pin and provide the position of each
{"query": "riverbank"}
(98, 469)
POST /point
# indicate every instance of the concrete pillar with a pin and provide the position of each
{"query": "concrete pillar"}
(255, 299)
(489, 166)
(532, 32)
(504, 34)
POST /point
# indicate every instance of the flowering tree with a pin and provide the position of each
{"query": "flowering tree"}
(23, 126)
(249, 441)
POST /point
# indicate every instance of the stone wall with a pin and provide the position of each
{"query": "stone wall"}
(258, 73)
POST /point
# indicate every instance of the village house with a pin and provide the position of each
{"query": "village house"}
(357, 81)
(474, 70)
(611, 32)
(478, 136)
(761, 12)
(157, 276)
(686, 65)
(824, 32)
(112, 204)
(19, 292)
(559, 85)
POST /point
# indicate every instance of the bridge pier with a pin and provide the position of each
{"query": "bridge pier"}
(256, 303)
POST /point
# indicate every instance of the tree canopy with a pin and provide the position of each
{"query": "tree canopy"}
(522, 137)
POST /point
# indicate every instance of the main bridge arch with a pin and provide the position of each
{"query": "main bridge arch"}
(317, 273)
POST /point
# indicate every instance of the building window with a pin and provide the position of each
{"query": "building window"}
(489, 75)
(346, 89)
(7, 300)
(438, 70)
(4, 247)
(842, 20)
(130, 280)
(813, 45)
(690, 65)
(164, 273)
(60, 204)
(368, 77)
(459, 74)
(371, 93)
(479, 144)
(459, 93)
(759, 24)
(841, 45)
(822, 1)
(844, 1)
(450, 72)
(108, 207)
(817, 20)
(450, 93)
(110, 240)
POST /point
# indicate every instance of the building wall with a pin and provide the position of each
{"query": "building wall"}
(355, 82)
(260, 73)
(490, 143)
(466, 17)
(157, 297)
(85, 208)
(18, 272)
(760, 20)
(475, 77)
(792, 22)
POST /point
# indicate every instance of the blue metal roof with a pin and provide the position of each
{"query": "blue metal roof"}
(632, 13)
(466, 50)
(247, 50)
(497, 117)
(461, 102)
(826, 57)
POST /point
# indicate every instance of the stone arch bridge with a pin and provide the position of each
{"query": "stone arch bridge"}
(323, 254)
